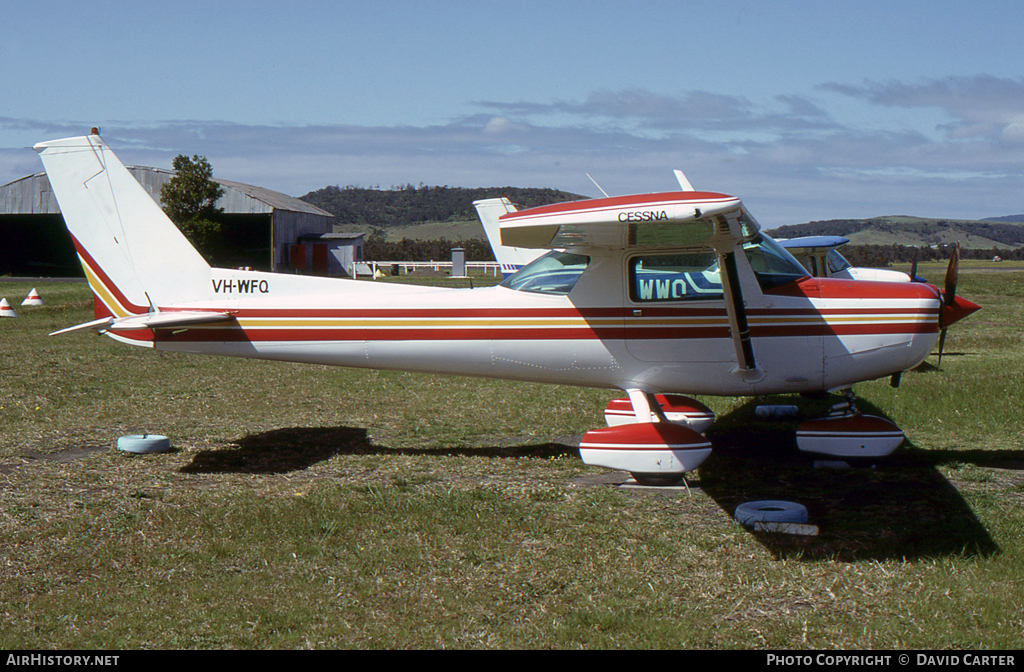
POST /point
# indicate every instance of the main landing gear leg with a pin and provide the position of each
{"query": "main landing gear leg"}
(846, 407)
(646, 407)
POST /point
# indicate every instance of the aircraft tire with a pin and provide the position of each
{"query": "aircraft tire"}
(770, 511)
(144, 443)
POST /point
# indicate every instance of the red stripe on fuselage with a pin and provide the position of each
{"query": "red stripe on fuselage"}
(675, 325)
(648, 311)
(832, 288)
(105, 279)
(272, 334)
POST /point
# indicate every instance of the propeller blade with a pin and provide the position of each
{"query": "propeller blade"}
(949, 298)
(952, 272)
(913, 267)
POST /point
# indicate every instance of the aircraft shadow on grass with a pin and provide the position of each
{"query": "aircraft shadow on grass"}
(901, 508)
(296, 448)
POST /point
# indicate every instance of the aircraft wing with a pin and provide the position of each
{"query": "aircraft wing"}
(811, 244)
(671, 219)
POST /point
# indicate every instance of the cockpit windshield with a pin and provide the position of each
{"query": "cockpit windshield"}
(836, 262)
(554, 273)
(772, 264)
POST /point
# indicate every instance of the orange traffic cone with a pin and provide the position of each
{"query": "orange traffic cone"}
(6, 310)
(33, 299)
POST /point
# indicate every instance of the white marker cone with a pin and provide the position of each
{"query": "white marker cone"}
(6, 310)
(33, 299)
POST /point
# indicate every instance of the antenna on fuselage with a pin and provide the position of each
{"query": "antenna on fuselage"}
(598, 186)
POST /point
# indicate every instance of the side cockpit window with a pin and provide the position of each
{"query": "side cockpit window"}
(695, 276)
(674, 277)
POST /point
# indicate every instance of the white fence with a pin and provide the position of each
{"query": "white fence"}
(369, 268)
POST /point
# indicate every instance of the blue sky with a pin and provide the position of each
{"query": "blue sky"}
(805, 110)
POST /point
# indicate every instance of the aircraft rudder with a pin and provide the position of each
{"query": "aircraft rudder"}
(489, 210)
(509, 258)
(131, 252)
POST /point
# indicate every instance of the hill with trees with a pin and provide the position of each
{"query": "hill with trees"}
(359, 208)
(913, 231)
(422, 223)
(880, 241)
(1008, 218)
(425, 222)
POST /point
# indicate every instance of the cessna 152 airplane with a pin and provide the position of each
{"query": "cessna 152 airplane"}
(820, 256)
(657, 295)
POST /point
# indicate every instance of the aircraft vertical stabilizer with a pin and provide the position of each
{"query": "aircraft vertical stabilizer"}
(511, 259)
(134, 257)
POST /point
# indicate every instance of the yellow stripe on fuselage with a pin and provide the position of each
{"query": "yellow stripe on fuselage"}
(102, 293)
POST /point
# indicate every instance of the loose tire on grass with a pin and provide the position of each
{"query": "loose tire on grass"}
(144, 443)
(770, 511)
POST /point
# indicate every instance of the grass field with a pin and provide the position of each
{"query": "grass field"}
(454, 230)
(310, 507)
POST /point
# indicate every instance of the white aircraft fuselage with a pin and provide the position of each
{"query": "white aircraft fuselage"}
(625, 319)
(814, 335)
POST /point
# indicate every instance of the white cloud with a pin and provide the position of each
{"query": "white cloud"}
(978, 107)
(787, 157)
(690, 111)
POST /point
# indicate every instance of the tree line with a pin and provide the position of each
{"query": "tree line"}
(401, 206)
(880, 256)
(928, 231)
(376, 247)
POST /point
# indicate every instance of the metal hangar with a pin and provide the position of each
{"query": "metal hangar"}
(258, 228)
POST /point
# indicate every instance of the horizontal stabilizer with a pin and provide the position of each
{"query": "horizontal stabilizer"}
(155, 320)
(101, 324)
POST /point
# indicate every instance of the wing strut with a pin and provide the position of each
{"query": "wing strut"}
(737, 312)
(727, 236)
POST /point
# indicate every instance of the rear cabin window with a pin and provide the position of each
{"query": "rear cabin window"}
(554, 273)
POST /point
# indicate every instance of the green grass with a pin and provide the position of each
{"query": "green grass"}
(310, 507)
(457, 230)
(432, 230)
